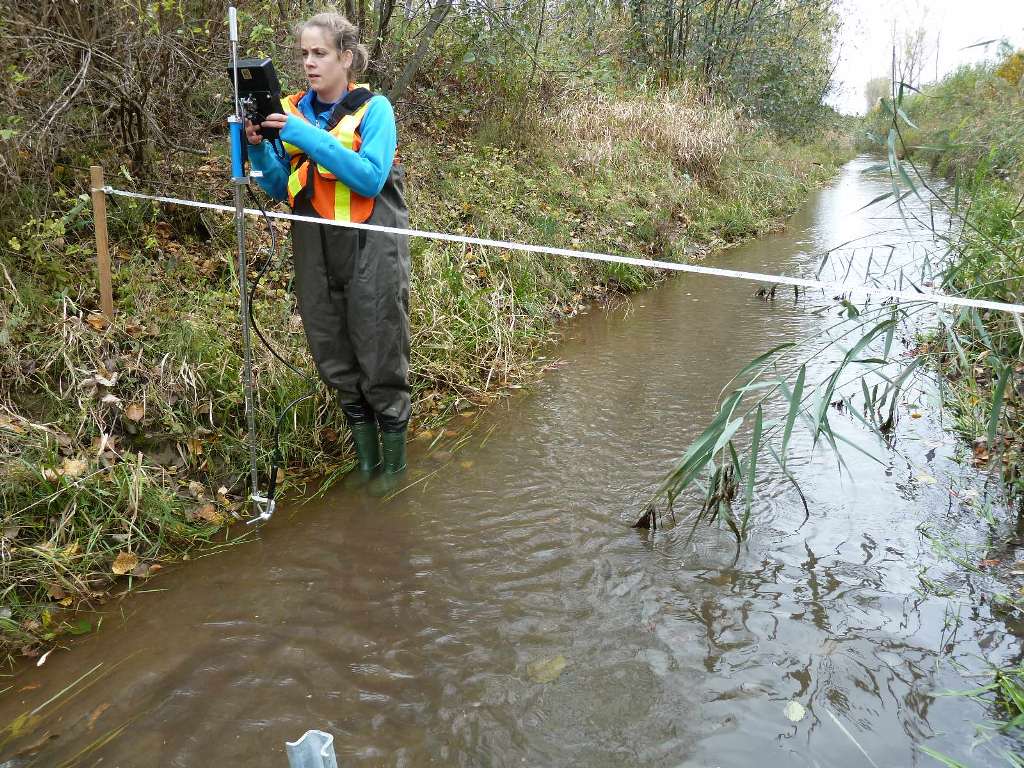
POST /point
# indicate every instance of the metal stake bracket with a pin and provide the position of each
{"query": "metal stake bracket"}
(314, 750)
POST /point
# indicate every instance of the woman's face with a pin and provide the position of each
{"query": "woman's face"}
(326, 67)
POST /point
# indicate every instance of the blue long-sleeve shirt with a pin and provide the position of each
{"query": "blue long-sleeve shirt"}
(364, 171)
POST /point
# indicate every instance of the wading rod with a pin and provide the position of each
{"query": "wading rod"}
(240, 181)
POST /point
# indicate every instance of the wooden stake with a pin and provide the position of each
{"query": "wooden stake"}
(99, 211)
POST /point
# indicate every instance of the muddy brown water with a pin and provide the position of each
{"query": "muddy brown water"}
(501, 612)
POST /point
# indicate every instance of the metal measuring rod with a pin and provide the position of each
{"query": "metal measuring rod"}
(264, 505)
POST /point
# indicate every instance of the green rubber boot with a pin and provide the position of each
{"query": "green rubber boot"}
(393, 463)
(365, 440)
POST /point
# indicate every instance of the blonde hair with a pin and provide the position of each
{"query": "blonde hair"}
(343, 34)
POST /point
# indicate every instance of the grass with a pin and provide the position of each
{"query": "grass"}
(122, 444)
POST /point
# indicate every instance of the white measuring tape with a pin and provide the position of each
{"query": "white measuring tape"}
(800, 282)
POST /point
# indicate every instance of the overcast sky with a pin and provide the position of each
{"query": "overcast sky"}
(955, 24)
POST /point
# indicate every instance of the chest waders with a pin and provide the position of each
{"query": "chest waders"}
(353, 295)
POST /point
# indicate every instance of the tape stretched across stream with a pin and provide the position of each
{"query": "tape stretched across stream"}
(798, 282)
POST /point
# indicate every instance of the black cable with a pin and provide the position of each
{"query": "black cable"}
(255, 285)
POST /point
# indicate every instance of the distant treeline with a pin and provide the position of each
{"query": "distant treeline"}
(141, 79)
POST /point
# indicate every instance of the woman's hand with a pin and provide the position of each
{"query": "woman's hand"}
(252, 133)
(276, 120)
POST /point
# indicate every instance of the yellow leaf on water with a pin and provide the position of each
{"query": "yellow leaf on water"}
(96, 714)
(125, 562)
(466, 464)
(546, 670)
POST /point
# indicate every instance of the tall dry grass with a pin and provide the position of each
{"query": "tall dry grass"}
(695, 136)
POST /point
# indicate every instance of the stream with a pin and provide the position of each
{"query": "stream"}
(501, 611)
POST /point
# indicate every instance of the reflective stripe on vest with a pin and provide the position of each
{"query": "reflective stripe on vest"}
(330, 197)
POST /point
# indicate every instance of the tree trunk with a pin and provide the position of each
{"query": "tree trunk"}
(387, 7)
(412, 66)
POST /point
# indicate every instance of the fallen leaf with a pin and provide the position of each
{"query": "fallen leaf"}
(11, 532)
(197, 489)
(134, 412)
(195, 447)
(209, 513)
(29, 687)
(925, 479)
(916, 415)
(96, 714)
(546, 670)
(74, 468)
(97, 321)
(795, 711)
(111, 399)
(42, 659)
(106, 381)
(988, 563)
(125, 562)
(80, 627)
(7, 423)
(466, 464)
(141, 570)
(55, 591)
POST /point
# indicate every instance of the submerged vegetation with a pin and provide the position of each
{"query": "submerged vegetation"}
(121, 442)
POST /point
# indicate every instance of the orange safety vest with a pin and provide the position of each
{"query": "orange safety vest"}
(330, 197)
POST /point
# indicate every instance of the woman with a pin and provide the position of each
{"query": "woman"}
(338, 163)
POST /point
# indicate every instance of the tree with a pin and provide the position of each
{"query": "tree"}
(875, 89)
